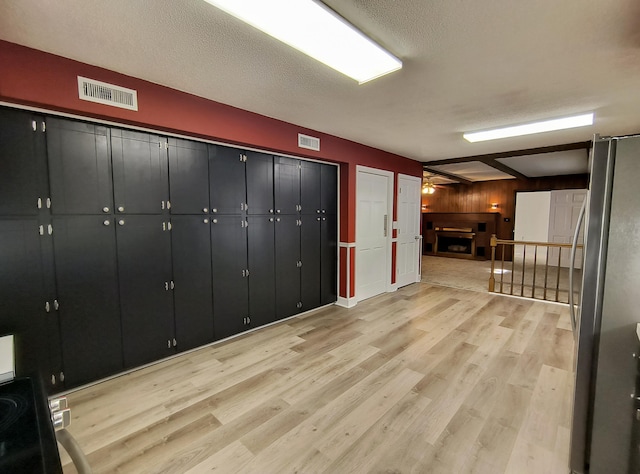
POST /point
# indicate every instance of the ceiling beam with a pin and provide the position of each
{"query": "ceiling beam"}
(510, 154)
(454, 177)
(505, 169)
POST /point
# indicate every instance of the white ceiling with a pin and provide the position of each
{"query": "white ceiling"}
(468, 65)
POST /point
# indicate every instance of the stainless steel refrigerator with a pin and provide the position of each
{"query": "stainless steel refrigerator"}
(605, 411)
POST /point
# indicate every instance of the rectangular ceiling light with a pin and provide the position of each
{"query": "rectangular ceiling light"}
(317, 31)
(531, 128)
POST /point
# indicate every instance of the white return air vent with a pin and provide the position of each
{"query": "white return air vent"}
(107, 94)
(311, 143)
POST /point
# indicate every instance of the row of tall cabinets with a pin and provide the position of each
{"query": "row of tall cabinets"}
(120, 247)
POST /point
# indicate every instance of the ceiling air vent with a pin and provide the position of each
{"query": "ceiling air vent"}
(107, 94)
(311, 143)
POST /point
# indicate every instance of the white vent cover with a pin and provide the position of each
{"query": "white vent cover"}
(311, 143)
(107, 94)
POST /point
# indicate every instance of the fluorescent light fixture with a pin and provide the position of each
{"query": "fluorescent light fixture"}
(317, 31)
(531, 128)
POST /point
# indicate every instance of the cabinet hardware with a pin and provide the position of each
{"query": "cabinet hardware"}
(49, 229)
(215, 221)
(318, 219)
(48, 203)
(271, 219)
(168, 204)
(175, 343)
(61, 376)
(39, 203)
(323, 211)
(34, 125)
(169, 226)
(41, 230)
(121, 209)
(47, 307)
(277, 219)
(206, 221)
(246, 223)
(244, 273)
(270, 211)
(105, 209)
(317, 211)
(168, 344)
(56, 305)
(214, 210)
(299, 305)
(164, 226)
(44, 127)
(107, 222)
(324, 219)
(242, 206)
(53, 379)
(299, 222)
(205, 210)
(172, 285)
(242, 224)
(166, 286)
(121, 222)
(277, 211)
(162, 205)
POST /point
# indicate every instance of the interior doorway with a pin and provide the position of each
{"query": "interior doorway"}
(374, 195)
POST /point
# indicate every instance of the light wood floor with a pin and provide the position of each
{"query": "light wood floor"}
(426, 379)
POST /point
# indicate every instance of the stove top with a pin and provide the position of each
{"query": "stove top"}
(27, 439)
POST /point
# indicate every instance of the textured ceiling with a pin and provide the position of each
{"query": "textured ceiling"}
(467, 65)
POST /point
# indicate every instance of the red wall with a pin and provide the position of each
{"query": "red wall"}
(35, 78)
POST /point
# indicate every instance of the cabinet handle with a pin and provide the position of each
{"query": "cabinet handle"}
(206, 221)
(215, 221)
(270, 211)
(277, 211)
(318, 219)
(105, 209)
(166, 286)
(323, 211)
(172, 285)
(214, 210)
(121, 209)
(121, 222)
(53, 379)
(39, 203)
(168, 344)
(205, 210)
(162, 205)
(242, 206)
(56, 305)
(277, 219)
(175, 343)
(271, 219)
(47, 306)
(48, 203)
(107, 222)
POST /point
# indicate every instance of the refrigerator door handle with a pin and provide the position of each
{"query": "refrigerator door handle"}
(572, 263)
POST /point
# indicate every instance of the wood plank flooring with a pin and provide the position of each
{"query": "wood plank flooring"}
(428, 379)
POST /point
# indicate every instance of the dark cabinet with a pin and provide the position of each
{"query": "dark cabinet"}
(87, 297)
(286, 185)
(328, 259)
(310, 187)
(287, 265)
(23, 165)
(146, 300)
(310, 278)
(261, 254)
(140, 184)
(227, 180)
(188, 177)
(79, 167)
(259, 168)
(23, 302)
(329, 189)
(192, 286)
(230, 275)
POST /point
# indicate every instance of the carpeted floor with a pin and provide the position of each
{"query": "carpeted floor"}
(474, 275)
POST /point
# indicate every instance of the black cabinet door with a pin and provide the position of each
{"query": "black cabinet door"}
(310, 187)
(146, 302)
(23, 163)
(192, 295)
(329, 259)
(230, 280)
(140, 182)
(259, 183)
(310, 256)
(287, 260)
(87, 289)
(79, 167)
(286, 185)
(188, 177)
(329, 189)
(227, 180)
(22, 295)
(262, 309)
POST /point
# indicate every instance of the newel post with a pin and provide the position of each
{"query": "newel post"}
(492, 278)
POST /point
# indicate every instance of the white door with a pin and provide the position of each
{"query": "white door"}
(563, 218)
(531, 222)
(373, 227)
(408, 245)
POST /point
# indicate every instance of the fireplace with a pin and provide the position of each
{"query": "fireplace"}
(455, 242)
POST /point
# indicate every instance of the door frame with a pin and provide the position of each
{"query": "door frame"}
(390, 202)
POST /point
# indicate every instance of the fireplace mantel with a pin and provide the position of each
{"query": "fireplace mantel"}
(475, 226)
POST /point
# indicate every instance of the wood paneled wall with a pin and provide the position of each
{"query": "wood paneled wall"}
(478, 197)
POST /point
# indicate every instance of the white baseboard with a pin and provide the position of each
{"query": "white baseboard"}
(346, 302)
